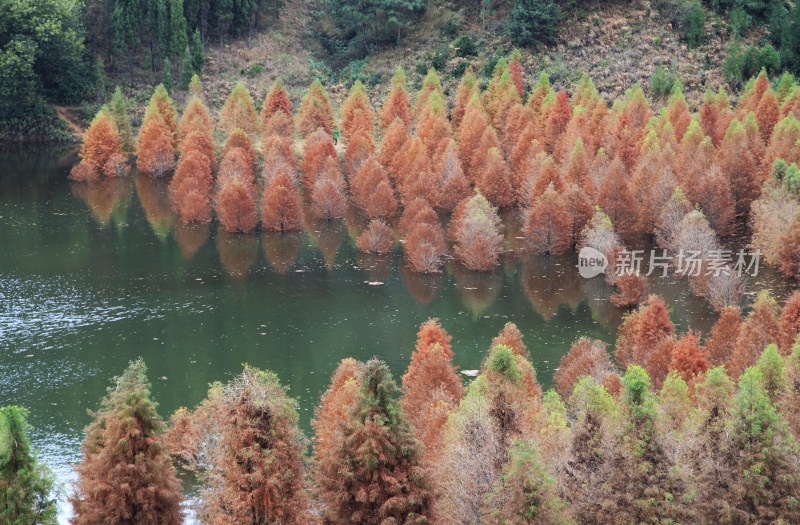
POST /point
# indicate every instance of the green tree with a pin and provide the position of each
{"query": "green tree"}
(177, 28)
(121, 118)
(163, 20)
(374, 20)
(695, 28)
(26, 487)
(198, 57)
(533, 21)
(186, 71)
(41, 53)
(167, 75)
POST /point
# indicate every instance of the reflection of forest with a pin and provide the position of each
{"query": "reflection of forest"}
(377, 267)
(237, 251)
(281, 249)
(328, 236)
(190, 237)
(153, 197)
(477, 290)
(549, 282)
(423, 287)
(107, 198)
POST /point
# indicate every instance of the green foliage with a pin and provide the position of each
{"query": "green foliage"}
(742, 63)
(253, 70)
(167, 75)
(119, 114)
(773, 372)
(501, 360)
(770, 58)
(533, 21)
(695, 29)
(465, 47)
(26, 488)
(661, 83)
(187, 70)
(363, 24)
(198, 57)
(177, 28)
(788, 175)
(738, 20)
(491, 63)
(41, 54)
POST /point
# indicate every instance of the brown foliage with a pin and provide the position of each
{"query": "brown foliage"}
(277, 101)
(630, 289)
(431, 387)
(767, 114)
(377, 238)
(101, 142)
(495, 180)
(689, 359)
(789, 250)
(723, 335)
(371, 190)
(642, 332)
(616, 201)
(397, 106)
(315, 111)
(547, 224)
(116, 166)
(477, 231)
(280, 204)
(738, 165)
(424, 246)
(453, 185)
(394, 140)
(280, 125)
(155, 155)
(586, 357)
(83, 172)
(327, 195)
(557, 121)
(203, 143)
(278, 156)
(511, 337)
(235, 206)
(125, 475)
(195, 118)
(190, 188)
(239, 112)
(359, 148)
(318, 148)
(756, 332)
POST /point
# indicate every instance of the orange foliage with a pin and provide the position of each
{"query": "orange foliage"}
(629, 290)
(476, 230)
(200, 142)
(431, 387)
(280, 204)
(789, 323)
(767, 114)
(238, 111)
(580, 210)
(161, 107)
(557, 121)
(453, 185)
(738, 165)
(277, 101)
(236, 206)
(318, 149)
(278, 155)
(155, 155)
(494, 180)
(716, 200)
(394, 140)
(723, 335)
(789, 250)
(424, 246)
(280, 125)
(419, 210)
(327, 195)
(359, 147)
(315, 111)
(372, 191)
(397, 105)
(547, 224)
(236, 165)
(643, 332)
(376, 238)
(190, 188)
(688, 358)
(757, 331)
(116, 166)
(511, 337)
(83, 172)
(240, 139)
(615, 199)
(473, 126)
(100, 143)
(515, 71)
(357, 113)
(586, 357)
(466, 88)
(195, 118)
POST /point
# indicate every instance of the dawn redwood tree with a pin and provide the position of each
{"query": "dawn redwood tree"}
(615, 199)
(154, 152)
(557, 122)
(328, 200)
(364, 187)
(642, 333)
(477, 231)
(196, 117)
(789, 250)
(586, 357)
(720, 344)
(317, 149)
(239, 111)
(393, 141)
(101, 142)
(430, 84)
(431, 388)
(515, 71)
(494, 180)
(255, 468)
(118, 110)
(277, 101)
(360, 146)
(547, 224)
(315, 111)
(190, 189)
(373, 475)
(240, 140)
(580, 210)
(236, 164)
(767, 114)
(689, 359)
(376, 238)
(397, 103)
(161, 105)
(357, 113)
(236, 206)
(453, 185)
(738, 165)
(511, 337)
(26, 486)
(280, 204)
(472, 127)
(789, 323)
(756, 332)
(424, 246)
(125, 475)
(203, 143)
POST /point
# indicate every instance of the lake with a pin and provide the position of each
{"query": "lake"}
(93, 276)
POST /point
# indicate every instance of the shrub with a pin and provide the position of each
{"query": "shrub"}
(377, 238)
(465, 46)
(661, 82)
(695, 29)
(533, 21)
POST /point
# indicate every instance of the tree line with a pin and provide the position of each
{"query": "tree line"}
(671, 430)
(576, 171)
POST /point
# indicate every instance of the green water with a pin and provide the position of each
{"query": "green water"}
(92, 277)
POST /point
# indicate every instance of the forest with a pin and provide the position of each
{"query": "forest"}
(671, 431)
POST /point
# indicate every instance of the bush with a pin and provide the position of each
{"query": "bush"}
(459, 69)
(465, 46)
(738, 20)
(769, 58)
(533, 21)
(438, 59)
(695, 29)
(745, 63)
(661, 83)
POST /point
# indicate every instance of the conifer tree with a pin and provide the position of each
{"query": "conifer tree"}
(374, 476)
(167, 75)
(238, 111)
(477, 231)
(26, 486)
(546, 226)
(315, 111)
(397, 103)
(126, 476)
(101, 142)
(122, 120)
